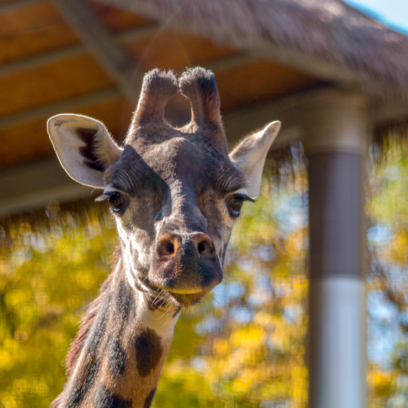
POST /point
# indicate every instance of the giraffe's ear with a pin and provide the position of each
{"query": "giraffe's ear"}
(249, 156)
(83, 146)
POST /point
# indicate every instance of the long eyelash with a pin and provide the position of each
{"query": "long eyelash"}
(102, 197)
(245, 197)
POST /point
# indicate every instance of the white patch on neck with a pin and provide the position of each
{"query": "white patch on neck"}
(162, 321)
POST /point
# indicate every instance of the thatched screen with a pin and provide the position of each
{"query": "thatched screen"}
(325, 31)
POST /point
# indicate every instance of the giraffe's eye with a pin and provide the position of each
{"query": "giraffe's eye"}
(235, 204)
(116, 201)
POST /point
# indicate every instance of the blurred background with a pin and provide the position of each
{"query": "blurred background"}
(332, 209)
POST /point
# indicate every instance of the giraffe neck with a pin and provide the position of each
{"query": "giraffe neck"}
(120, 361)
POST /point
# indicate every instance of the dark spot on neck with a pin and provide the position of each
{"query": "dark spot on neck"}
(149, 351)
(103, 398)
(149, 399)
(116, 356)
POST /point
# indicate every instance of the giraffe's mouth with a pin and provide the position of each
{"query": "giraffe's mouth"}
(186, 291)
(188, 299)
(182, 296)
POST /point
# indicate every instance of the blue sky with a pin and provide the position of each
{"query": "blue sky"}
(393, 13)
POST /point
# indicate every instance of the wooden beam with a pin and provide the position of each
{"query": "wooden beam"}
(117, 62)
(58, 107)
(17, 4)
(387, 114)
(316, 67)
(137, 33)
(242, 121)
(229, 62)
(50, 57)
(34, 185)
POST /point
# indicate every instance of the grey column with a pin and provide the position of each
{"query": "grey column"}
(335, 139)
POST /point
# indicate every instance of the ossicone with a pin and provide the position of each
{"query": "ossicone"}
(200, 87)
(158, 87)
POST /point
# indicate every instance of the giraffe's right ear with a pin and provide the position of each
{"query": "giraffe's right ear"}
(83, 146)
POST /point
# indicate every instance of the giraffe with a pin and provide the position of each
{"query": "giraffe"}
(175, 195)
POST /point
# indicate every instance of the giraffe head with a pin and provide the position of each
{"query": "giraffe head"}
(175, 193)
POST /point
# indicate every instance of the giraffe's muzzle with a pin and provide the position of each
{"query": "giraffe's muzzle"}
(186, 266)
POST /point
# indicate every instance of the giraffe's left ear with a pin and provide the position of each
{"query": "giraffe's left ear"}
(249, 156)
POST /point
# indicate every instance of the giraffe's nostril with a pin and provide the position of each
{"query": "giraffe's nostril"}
(198, 244)
(170, 248)
(201, 247)
(204, 244)
(168, 244)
